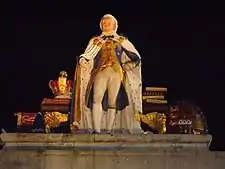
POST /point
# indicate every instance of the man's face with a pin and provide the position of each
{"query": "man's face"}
(108, 25)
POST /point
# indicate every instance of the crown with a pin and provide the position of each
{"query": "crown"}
(63, 74)
(61, 87)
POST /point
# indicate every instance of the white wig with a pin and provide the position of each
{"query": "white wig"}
(111, 17)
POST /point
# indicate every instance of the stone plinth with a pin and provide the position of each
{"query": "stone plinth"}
(80, 151)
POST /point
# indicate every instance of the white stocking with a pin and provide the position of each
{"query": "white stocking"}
(110, 119)
(97, 116)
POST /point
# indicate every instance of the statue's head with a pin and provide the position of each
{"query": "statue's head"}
(108, 24)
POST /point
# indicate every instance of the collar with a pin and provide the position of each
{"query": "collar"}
(109, 34)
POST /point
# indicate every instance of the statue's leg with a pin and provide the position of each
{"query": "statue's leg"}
(113, 89)
(99, 88)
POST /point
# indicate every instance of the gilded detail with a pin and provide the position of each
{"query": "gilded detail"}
(121, 39)
(54, 119)
(155, 120)
(61, 88)
(109, 57)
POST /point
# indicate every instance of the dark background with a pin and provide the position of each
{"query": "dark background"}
(182, 48)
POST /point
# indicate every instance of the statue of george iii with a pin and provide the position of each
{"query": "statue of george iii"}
(107, 92)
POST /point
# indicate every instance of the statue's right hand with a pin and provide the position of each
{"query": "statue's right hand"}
(83, 62)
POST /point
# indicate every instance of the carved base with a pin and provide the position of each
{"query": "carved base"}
(85, 151)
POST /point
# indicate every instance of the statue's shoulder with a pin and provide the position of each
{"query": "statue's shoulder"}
(122, 38)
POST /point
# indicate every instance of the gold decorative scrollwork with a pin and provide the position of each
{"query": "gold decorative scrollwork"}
(54, 119)
(155, 120)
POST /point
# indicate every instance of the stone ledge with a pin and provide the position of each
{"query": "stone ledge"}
(156, 138)
(65, 151)
(175, 142)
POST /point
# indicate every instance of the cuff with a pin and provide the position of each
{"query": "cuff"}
(79, 58)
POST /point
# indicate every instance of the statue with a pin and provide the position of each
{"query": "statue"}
(61, 88)
(108, 83)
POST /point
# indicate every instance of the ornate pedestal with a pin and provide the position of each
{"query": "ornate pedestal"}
(81, 151)
(55, 112)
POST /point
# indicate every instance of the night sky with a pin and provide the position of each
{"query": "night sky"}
(182, 48)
